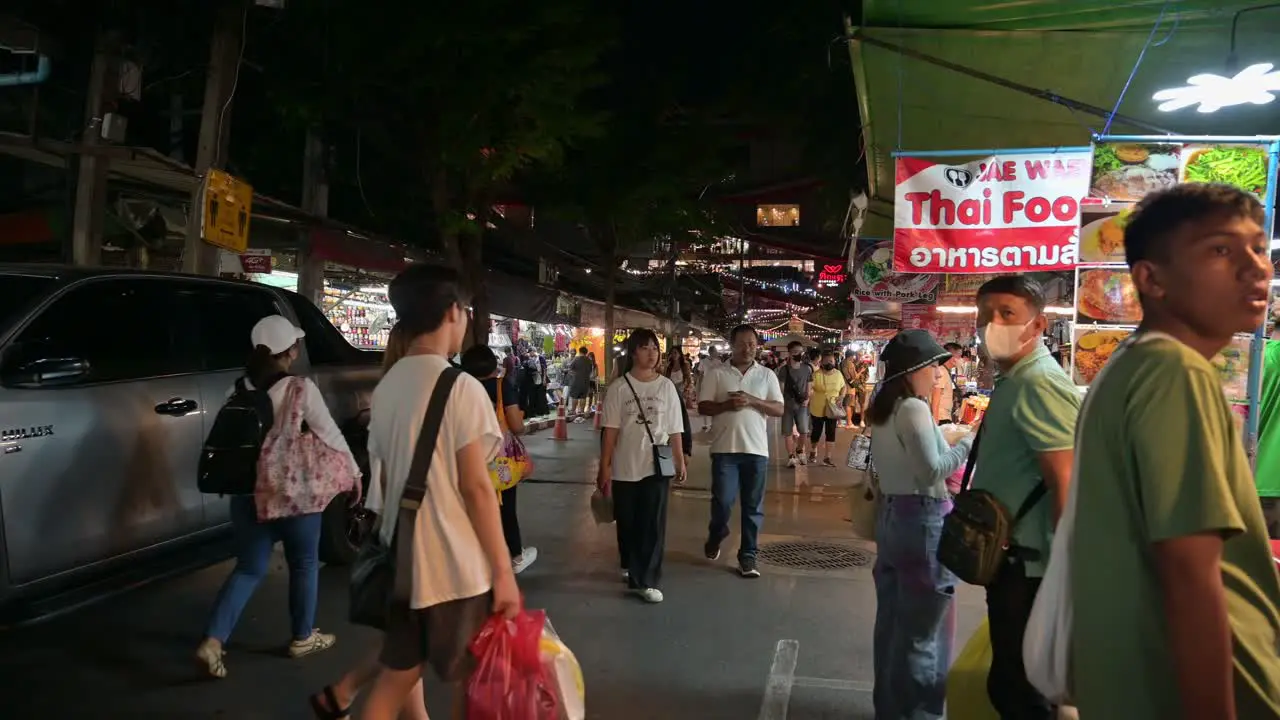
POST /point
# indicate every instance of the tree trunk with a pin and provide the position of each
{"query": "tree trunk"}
(474, 272)
(465, 257)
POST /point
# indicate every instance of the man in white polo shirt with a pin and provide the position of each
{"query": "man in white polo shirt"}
(738, 396)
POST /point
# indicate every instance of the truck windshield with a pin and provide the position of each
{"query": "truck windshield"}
(17, 293)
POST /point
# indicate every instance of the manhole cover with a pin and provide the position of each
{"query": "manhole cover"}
(812, 555)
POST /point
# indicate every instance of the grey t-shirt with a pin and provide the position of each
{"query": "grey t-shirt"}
(797, 388)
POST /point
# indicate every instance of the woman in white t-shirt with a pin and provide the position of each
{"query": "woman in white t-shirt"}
(641, 410)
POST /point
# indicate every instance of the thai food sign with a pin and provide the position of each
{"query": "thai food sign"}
(1015, 213)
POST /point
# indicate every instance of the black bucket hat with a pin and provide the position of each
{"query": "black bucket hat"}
(909, 351)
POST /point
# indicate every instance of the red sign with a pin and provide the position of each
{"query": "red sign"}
(256, 261)
(945, 327)
(832, 275)
(1019, 213)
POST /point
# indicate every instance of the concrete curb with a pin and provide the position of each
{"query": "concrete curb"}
(536, 425)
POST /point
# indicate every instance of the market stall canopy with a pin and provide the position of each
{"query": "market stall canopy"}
(786, 340)
(1067, 56)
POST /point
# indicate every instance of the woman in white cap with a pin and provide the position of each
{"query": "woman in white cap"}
(914, 592)
(286, 505)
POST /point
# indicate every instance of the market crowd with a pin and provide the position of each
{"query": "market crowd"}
(1133, 508)
(1140, 490)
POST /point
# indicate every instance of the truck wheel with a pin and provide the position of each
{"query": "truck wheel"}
(342, 530)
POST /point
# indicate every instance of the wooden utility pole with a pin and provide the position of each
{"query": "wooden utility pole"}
(315, 200)
(92, 167)
(199, 257)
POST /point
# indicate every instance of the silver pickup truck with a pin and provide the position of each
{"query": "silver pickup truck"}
(109, 383)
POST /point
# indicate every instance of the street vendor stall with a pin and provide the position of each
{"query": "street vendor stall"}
(1124, 170)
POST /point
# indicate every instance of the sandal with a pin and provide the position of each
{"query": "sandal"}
(333, 711)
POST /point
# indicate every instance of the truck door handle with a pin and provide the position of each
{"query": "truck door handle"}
(176, 406)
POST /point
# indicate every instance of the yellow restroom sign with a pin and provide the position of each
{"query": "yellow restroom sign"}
(224, 220)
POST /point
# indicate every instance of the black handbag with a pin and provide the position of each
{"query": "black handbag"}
(977, 534)
(377, 589)
(664, 461)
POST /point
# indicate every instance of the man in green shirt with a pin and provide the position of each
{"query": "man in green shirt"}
(1173, 587)
(1025, 454)
(1267, 467)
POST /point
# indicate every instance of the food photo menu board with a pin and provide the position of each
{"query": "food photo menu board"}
(1106, 303)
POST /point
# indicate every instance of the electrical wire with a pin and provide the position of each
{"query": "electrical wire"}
(235, 83)
(1137, 64)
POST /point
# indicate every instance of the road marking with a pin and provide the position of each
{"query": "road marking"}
(777, 689)
(832, 684)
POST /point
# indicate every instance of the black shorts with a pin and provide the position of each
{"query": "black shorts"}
(437, 636)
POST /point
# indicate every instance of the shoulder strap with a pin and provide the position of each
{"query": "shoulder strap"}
(501, 408)
(640, 409)
(1037, 493)
(415, 486)
(973, 460)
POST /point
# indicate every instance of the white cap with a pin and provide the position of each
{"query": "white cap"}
(276, 332)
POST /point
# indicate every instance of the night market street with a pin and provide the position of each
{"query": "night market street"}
(706, 653)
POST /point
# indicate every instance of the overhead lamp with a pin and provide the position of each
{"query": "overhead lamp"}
(1254, 85)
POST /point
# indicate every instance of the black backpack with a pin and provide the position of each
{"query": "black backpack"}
(229, 459)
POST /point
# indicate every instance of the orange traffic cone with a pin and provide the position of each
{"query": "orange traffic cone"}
(597, 414)
(562, 429)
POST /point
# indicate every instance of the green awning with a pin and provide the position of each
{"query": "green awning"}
(911, 104)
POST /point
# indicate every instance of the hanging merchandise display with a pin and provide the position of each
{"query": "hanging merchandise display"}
(1125, 169)
(1010, 211)
(362, 315)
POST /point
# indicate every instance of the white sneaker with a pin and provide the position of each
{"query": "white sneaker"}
(650, 595)
(317, 642)
(791, 462)
(800, 459)
(521, 562)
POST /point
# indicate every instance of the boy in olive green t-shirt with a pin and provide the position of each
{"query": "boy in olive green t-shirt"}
(1173, 586)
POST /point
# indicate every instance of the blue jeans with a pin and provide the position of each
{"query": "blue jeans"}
(734, 474)
(915, 610)
(254, 541)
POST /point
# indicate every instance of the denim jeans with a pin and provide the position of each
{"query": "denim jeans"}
(254, 541)
(915, 612)
(734, 475)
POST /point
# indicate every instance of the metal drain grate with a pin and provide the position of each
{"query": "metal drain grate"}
(812, 555)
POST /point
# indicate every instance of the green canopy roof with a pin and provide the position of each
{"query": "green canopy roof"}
(1082, 51)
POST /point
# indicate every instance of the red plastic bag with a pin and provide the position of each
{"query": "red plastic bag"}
(510, 682)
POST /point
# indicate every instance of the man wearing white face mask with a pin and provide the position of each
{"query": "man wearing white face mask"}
(1025, 452)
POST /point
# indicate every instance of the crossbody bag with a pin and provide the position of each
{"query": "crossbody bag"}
(381, 573)
(977, 534)
(664, 461)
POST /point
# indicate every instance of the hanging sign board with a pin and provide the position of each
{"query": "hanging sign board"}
(224, 217)
(1004, 213)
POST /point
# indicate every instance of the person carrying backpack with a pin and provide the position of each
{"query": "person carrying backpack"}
(278, 488)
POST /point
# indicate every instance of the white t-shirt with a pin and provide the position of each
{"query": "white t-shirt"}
(633, 453)
(740, 431)
(448, 562)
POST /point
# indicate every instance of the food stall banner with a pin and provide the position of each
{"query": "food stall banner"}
(1125, 169)
(1012, 211)
(943, 326)
(874, 279)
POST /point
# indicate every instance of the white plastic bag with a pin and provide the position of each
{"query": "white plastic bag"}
(562, 666)
(1046, 644)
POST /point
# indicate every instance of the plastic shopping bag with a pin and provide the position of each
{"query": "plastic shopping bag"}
(1046, 643)
(967, 682)
(510, 682)
(565, 675)
(602, 507)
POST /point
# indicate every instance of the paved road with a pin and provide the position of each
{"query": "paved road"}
(706, 653)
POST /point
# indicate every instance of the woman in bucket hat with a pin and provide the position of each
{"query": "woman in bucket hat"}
(914, 592)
